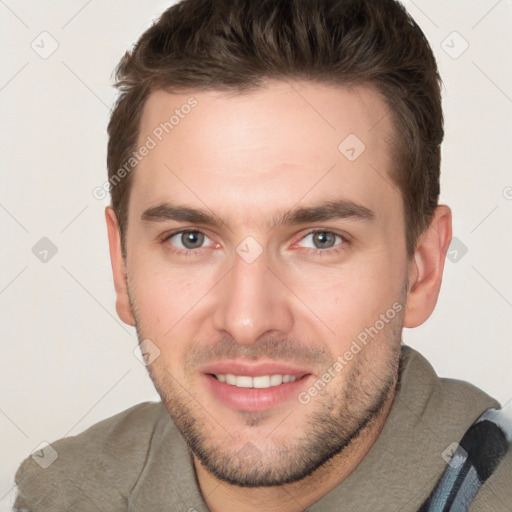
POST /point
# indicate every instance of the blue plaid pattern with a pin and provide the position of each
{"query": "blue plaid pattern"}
(477, 455)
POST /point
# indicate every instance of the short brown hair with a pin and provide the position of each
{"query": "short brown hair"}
(237, 45)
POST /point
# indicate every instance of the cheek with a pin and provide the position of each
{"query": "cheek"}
(167, 298)
(350, 297)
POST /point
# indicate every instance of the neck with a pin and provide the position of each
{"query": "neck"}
(297, 496)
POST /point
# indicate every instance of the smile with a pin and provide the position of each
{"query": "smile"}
(260, 382)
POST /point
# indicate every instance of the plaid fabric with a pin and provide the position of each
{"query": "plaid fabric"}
(474, 459)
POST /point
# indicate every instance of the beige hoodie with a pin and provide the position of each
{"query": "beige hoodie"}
(138, 461)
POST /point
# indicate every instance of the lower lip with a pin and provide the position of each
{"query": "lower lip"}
(255, 399)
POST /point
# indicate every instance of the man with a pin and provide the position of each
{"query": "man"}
(274, 170)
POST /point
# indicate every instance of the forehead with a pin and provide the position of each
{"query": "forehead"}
(274, 146)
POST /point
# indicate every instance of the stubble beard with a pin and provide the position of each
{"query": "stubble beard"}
(339, 416)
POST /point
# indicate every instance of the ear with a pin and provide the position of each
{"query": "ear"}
(426, 268)
(123, 306)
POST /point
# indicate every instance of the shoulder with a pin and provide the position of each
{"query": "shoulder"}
(451, 403)
(496, 493)
(94, 469)
(479, 470)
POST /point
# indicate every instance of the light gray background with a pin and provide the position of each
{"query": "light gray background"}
(67, 360)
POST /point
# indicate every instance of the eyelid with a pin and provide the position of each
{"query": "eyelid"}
(170, 234)
(346, 240)
(167, 236)
(312, 231)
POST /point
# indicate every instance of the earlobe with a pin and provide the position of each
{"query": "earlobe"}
(426, 268)
(123, 306)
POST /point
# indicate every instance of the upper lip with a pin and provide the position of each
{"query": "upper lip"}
(254, 369)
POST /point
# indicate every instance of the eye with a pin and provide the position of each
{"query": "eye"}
(188, 240)
(321, 240)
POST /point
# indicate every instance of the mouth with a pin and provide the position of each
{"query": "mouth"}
(255, 388)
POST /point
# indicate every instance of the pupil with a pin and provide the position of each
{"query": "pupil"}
(192, 239)
(324, 240)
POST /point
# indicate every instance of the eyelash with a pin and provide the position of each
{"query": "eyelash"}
(195, 252)
(337, 249)
(182, 252)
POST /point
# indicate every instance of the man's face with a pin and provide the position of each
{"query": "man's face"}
(296, 257)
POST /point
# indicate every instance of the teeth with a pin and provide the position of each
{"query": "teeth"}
(243, 381)
(260, 382)
(275, 380)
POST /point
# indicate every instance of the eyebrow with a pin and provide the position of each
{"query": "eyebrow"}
(329, 210)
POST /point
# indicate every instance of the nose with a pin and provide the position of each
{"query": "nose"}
(253, 301)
